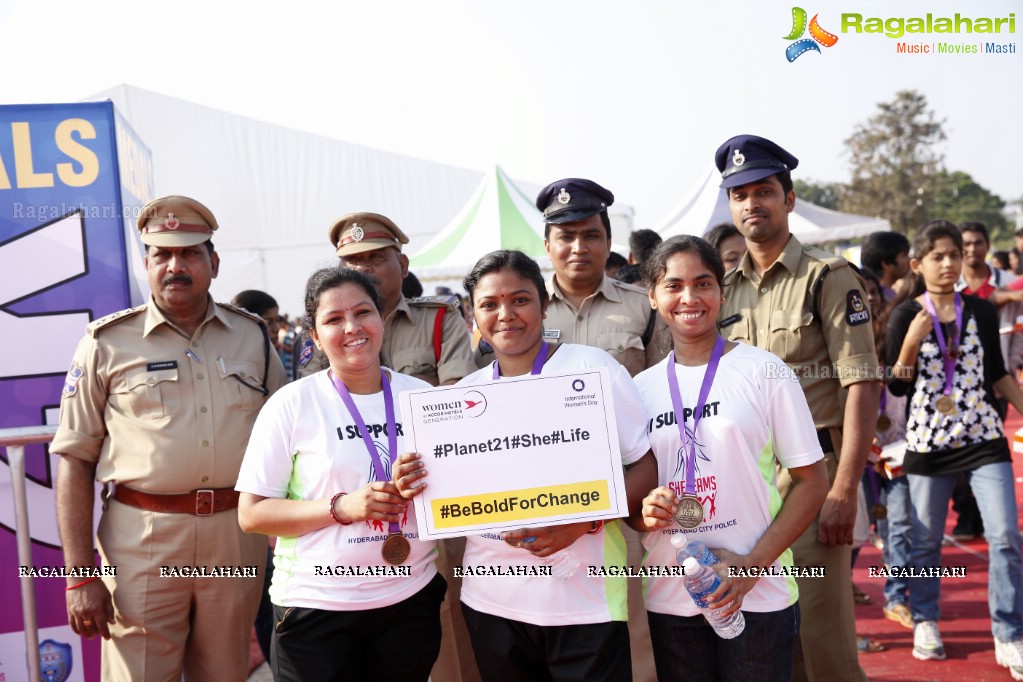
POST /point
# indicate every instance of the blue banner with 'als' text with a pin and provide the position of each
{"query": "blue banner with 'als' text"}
(73, 178)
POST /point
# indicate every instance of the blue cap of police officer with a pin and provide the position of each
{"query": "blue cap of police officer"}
(571, 200)
(748, 158)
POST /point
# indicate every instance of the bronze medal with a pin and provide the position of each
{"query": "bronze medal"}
(879, 511)
(884, 423)
(689, 513)
(945, 405)
(396, 549)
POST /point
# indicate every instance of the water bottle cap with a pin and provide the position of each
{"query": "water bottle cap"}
(679, 541)
(691, 565)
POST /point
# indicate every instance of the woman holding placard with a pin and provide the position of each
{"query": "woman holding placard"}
(721, 416)
(946, 357)
(568, 626)
(352, 584)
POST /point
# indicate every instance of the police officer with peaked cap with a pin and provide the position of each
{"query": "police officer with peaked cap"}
(586, 306)
(158, 406)
(808, 307)
(590, 308)
(424, 337)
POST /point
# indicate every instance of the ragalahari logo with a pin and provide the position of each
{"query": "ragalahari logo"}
(817, 35)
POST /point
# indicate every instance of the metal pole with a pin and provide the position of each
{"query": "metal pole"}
(15, 440)
(16, 458)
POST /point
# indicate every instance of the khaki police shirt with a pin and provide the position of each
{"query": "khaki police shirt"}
(156, 419)
(613, 318)
(408, 342)
(775, 312)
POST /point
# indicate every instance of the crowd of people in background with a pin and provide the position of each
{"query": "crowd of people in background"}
(827, 403)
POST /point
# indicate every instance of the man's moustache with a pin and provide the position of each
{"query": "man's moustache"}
(177, 279)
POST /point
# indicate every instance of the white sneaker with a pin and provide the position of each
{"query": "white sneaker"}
(927, 641)
(1010, 655)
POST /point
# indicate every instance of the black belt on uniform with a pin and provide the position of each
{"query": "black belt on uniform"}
(824, 438)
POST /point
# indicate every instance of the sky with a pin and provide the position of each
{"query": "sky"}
(636, 95)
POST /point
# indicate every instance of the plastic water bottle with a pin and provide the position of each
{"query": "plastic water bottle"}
(692, 548)
(701, 581)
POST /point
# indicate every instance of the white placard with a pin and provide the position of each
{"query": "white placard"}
(520, 452)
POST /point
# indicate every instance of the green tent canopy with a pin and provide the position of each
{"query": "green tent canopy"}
(497, 216)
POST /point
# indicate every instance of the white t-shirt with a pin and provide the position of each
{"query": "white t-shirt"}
(547, 600)
(755, 415)
(305, 446)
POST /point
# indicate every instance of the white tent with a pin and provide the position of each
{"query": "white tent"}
(497, 216)
(707, 205)
(275, 191)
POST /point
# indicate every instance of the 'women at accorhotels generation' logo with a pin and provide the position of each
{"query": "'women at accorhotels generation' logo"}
(818, 36)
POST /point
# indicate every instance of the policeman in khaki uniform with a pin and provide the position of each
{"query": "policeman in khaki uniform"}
(587, 307)
(809, 308)
(158, 406)
(424, 337)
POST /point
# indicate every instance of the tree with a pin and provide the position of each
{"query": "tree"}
(959, 198)
(894, 162)
(824, 194)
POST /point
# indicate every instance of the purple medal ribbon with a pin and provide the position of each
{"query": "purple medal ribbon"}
(392, 431)
(676, 404)
(541, 358)
(884, 401)
(950, 362)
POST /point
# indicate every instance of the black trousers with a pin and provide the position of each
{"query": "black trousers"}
(513, 651)
(398, 642)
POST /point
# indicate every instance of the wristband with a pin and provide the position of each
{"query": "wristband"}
(77, 585)
(333, 514)
(597, 525)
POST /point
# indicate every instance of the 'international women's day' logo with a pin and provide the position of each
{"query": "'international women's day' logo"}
(818, 36)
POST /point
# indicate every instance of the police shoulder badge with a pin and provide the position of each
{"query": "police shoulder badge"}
(74, 375)
(737, 158)
(564, 197)
(855, 309)
(358, 234)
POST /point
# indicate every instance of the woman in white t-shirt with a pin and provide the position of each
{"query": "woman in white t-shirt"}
(544, 627)
(355, 592)
(753, 416)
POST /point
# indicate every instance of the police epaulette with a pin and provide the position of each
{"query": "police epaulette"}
(833, 260)
(113, 318)
(433, 301)
(625, 286)
(242, 311)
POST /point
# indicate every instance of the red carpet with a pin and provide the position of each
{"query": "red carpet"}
(965, 623)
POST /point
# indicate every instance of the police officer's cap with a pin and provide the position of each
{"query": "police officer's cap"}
(571, 200)
(175, 221)
(748, 158)
(359, 232)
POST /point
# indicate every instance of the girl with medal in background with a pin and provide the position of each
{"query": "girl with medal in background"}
(946, 358)
(568, 625)
(752, 417)
(352, 585)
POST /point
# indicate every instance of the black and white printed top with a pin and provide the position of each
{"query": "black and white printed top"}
(972, 435)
